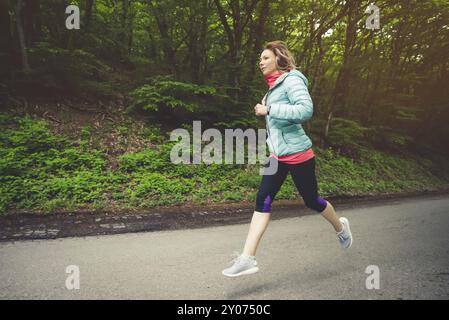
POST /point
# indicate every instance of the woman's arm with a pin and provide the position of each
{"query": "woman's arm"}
(301, 107)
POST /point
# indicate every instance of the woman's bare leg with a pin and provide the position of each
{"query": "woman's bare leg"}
(330, 215)
(258, 225)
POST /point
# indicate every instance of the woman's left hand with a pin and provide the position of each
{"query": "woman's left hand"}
(260, 110)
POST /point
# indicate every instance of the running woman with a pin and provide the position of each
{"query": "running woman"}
(286, 106)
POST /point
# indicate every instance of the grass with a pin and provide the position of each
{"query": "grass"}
(43, 172)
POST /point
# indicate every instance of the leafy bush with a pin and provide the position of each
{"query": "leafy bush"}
(387, 139)
(175, 98)
(148, 160)
(55, 68)
(347, 135)
(43, 171)
(37, 166)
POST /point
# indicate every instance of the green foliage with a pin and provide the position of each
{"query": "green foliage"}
(40, 171)
(346, 133)
(395, 78)
(37, 166)
(152, 188)
(237, 122)
(374, 173)
(154, 134)
(163, 93)
(148, 160)
(63, 69)
(387, 139)
(388, 88)
(33, 136)
(350, 138)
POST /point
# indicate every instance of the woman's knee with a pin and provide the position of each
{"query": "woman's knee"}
(263, 202)
(317, 204)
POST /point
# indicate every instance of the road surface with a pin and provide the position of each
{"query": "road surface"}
(299, 258)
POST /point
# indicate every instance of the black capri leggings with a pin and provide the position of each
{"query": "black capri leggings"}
(303, 175)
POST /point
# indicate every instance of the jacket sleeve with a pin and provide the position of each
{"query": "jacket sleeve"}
(300, 108)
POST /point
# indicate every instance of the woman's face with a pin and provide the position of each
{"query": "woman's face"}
(267, 62)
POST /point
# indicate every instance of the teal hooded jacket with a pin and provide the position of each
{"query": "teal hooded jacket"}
(289, 105)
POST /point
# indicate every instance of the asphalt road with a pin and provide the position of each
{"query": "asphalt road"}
(299, 258)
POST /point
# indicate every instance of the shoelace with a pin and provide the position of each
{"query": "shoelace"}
(342, 237)
(235, 255)
(238, 258)
(342, 234)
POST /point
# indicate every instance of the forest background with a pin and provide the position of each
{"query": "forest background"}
(86, 113)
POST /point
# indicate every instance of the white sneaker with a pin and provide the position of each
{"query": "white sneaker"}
(345, 236)
(243, 265)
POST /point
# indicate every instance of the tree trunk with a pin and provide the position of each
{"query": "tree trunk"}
(235, 36)
(197, 53)
(32, 21)
(318, 68)
(21, 35)
(341, 86)
(88, 17)
(5, 39)
(202, 64)
(166, 39)
(124, 28)
(316, 75)
(130, 27)
(259, 33)
(5, 24)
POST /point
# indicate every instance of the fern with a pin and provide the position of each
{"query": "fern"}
(163, 93)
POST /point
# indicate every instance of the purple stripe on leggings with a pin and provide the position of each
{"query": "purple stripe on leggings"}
(267, 204)
(323, 203)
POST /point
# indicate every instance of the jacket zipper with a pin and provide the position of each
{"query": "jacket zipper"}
(266, 100)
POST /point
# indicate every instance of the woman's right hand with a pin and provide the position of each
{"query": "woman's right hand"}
(260, 110)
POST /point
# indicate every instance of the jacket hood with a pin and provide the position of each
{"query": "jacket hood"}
(292, 73)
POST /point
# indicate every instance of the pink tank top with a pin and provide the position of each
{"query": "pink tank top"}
(295, 158)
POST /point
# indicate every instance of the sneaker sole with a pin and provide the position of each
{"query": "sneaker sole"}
(349, 231)
(246, 272)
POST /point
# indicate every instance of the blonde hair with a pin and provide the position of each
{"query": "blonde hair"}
(285, 61)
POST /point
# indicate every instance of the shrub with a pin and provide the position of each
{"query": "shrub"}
(175, 99)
